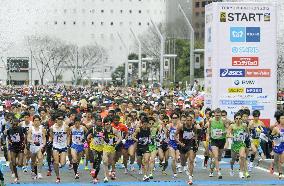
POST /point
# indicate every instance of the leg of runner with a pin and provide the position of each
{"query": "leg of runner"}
(75, 162)
(13, 162)
(146, 159)
(1, 178)
(33, 165)
(206, 153)
(242, 162)
(280, 163)
(106, 163)
(97, 159)
(252, 156)
(125, 159)
(153, 155)
(39, 164)
(70, 158)
(56, 164)
(215, 152)
(86, 156)
(48, 158)
(112, 162)
(131, 152)
(232, 162)
(191, 158)
(172, 154)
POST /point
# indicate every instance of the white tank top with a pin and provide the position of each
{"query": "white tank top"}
(59, 137)
(37, 136)
(27, 126)
(77, 136)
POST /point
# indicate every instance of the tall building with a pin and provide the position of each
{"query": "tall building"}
(198, 17)
(81, 22)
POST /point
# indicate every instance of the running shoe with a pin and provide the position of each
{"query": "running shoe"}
(13, 175)
(280, 176)
(219, 175)
(77, 176)
(57, 180)
(146, 178)
(211, 174)
(86, 168)
(34, 176)
(39, 176)
(113, 177)
(179, 168)
(189, 182)
(247, 175)
(151, 176)
(241, 175)
(95, 180)
(105, 180)
(132, 168)
(232, 173)
(48, 173)
(175, 176)
(16, 181)
(164, 173)
(70, 166)
(140, 172)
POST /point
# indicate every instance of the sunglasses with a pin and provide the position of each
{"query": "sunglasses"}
(238, 118)
(165, 121)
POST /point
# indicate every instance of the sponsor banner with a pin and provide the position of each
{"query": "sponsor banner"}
(245, 34)
(238, 102)
(257, 107)
(245, 61)
(244, 82)
(240, 50)
(258, 72)
(236, 90)
(254, 90)
(244, 17)
(232, 72)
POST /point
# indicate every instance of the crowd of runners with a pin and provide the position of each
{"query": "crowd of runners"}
(109, 125)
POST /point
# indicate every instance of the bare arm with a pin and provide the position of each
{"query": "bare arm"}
(134, 137)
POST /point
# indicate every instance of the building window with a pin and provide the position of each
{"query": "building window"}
(111, 11)
(102, 23)
(139, 23)
(196, 14)
(130, 11)
(121, 11)
(55, 22)
(65, 11)
(120, 23)
(111, 23)
(203, 3)
(197, 4)
(148, 23)
(64, 22)
(74, 22)
(102, 11)
(139, 11)
(92, 11)
(93, 22)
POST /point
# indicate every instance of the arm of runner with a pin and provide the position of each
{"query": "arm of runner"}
(135, 134)
(229, 132)
(29, 136)
(43, 137)
(68, 135)
(177, 137)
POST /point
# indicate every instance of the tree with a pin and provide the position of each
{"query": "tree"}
(118, 73)
(40, 48)
(81, 60)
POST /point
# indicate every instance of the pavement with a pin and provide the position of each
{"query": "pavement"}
(259, 176)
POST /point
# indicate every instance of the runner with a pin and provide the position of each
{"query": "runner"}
(173, 147)
(95, 138)
(163, 146)
(278, 149)
(16, 138)
(237, 132)
(142, 136)
(27, 124)
(186, 137)
(153, 148)
(112, 137)
(217, 136)
(37, 140)
(204, 140)
(60, 137)
(78, 133)
(255, 127)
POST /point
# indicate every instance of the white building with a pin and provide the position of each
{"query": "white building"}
(80, 22)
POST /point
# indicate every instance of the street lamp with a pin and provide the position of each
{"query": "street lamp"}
(191, 45)
(162, 51)
(139, 54)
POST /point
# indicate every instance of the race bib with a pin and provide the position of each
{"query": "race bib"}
(239, 137)
(16, 138)
(97, 141)
(217, 133)
(77, 139)
(187, 135)
(263, 137)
